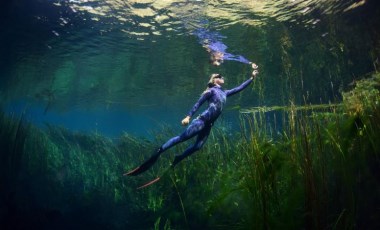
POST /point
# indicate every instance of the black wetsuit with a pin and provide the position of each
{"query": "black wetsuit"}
(201, 126)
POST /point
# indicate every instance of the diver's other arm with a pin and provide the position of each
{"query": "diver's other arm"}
(201, 100)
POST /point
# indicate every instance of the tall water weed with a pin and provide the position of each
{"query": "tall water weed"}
(318, 169)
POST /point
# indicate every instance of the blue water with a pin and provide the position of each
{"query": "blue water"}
(120, 66)
(131, 70)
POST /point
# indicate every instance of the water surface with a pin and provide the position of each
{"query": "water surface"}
(91, 64)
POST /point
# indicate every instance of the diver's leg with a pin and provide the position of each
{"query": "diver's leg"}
(194, 128)
(201, 140)
(146, 165)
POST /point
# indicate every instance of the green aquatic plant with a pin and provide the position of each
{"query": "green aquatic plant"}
(312, 170)
(271, 183)
(13, 133)
(362, 104)
(364, 98)
(265, 109)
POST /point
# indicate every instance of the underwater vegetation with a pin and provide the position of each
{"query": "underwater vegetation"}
(320, 170)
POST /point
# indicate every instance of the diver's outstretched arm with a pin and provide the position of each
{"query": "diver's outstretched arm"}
(244, 84)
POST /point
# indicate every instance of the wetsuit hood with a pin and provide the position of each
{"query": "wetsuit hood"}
(210, 85)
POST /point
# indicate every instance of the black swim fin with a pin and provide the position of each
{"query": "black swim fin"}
(139, 170)
(145, 166)
(149, 183)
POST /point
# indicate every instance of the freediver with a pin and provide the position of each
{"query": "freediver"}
(201, 126)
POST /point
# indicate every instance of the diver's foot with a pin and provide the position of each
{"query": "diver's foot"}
(142, 168)
(146, 165)
(177, 159)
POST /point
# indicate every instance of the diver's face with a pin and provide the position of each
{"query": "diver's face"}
(219, 80)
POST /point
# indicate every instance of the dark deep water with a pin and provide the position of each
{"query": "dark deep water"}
(103, 68)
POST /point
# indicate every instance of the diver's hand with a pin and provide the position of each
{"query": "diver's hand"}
(255, 73)
(254, 66)
(186, 121)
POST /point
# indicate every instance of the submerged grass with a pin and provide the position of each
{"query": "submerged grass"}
(318, 168)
